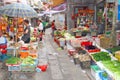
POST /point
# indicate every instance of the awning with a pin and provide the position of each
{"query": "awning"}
(60, 7)
(53, 12)
(57, 2)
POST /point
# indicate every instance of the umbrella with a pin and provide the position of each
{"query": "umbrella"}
(18, 10)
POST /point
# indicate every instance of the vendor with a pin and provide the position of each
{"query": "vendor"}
(26, 34)
(3, 46)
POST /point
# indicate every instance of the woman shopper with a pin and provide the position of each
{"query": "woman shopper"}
(26, 34)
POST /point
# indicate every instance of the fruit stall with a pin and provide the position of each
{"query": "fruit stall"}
(17, 55)
(25, 59)
(104, 63)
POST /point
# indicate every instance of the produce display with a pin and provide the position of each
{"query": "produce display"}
(113, 66)
(13, 60)
(92, 48)
(68, 36)
(86, 43)
(28, 61)
(117, 55)
(101, 56)
(114, 49)
(59, 33)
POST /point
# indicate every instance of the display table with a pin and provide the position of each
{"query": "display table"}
(112, 76)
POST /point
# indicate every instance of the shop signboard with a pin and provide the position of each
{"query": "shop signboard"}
(118, 12)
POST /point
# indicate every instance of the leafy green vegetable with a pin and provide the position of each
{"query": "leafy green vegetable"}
(101, 56)
(114, 49)
(114, 67)
(28, 60)
(13, 60)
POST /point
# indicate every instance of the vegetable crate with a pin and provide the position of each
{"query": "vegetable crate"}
(94, 71)
(85, 64)
(29, 67)
(14, 67)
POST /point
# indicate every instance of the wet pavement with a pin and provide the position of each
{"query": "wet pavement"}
(59, 63)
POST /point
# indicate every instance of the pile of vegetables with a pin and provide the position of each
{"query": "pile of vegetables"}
(114, 49)
(59, 33)
(28, 61)
(92, 48)
(117, 55)
(68, 36)
(13, 60)
(101, 56)
(114, 67)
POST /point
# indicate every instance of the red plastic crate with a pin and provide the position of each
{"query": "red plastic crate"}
(86, 43)
(71, 52)
(94, 50)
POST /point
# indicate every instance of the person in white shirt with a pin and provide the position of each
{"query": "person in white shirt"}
(40, 27)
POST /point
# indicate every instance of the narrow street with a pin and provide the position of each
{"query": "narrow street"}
(59, 65)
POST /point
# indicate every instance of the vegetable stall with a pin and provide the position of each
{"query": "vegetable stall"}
(104, 63)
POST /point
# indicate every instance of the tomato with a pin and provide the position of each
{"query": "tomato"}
(4, 51)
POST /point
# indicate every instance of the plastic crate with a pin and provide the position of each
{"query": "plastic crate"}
(71, 52)
(14, 67)
(29, 67)
(94, 71)
(85, 64)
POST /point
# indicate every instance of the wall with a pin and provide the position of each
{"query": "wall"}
(59, 19)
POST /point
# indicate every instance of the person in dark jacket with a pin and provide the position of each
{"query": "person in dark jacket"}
(26, 34)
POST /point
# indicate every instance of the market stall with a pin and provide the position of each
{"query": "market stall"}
(20, 56)
(103, 64)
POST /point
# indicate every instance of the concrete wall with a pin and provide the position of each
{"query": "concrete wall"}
(59, 19)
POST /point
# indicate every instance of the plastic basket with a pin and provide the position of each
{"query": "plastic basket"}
(85, 64)
(29, 67)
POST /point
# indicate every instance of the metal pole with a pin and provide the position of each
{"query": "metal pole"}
(113, 24)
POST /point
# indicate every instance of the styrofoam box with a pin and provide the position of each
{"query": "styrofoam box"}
(95, 73)
(14, 68)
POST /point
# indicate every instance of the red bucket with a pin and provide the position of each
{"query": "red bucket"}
(42, 67)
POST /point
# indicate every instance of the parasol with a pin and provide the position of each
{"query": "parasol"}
(18, 10)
